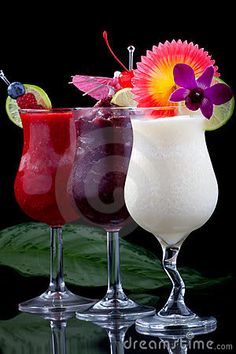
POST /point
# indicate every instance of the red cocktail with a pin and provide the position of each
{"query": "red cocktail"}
(41, 181)
(41, 190)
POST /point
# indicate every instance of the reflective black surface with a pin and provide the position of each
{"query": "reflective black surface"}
(25, 333)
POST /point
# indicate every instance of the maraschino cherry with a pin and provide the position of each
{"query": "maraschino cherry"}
(125, 78)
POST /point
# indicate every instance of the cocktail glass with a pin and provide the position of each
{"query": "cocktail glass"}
(41, 191)
(104, 142)
(171, 190)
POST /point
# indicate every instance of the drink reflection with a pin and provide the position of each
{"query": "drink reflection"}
(116, 330)
(58, 325)
(57, 334)
(179, 341)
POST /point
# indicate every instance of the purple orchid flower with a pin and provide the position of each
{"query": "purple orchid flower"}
(198, 93)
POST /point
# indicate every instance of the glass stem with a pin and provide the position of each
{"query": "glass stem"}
(114, 290)
(176, 345)
(175, 305)
(58, 334)
(57, 283)
(116, 342)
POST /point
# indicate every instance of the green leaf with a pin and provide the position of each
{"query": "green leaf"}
(31, 334)
(25, 247)
(145, 299)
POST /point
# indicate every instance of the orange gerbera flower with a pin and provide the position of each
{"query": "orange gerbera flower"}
(154, 80)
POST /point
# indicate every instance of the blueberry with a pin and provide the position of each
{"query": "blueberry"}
(15, 89)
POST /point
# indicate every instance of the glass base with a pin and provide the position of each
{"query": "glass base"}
(50, 301)
(57, 316)
(176, 325)
(105, 310)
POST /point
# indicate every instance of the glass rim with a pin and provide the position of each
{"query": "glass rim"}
(113, 108)
(175, 110)
(128, 108)
(45, 110)
(141, 113)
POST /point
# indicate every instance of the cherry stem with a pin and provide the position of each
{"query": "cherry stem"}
(3, 77)
(113, 54)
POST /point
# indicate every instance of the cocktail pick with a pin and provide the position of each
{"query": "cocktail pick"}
(3, 77)
(131, 50)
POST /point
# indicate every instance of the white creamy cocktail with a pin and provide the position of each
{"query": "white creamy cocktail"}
(170, 190)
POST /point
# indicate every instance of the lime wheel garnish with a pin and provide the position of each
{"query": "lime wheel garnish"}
(221, 113)
(124, 98)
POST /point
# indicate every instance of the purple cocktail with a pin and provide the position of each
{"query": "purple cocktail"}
(104, 144)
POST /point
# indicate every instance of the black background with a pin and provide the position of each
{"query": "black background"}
(45, 47)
